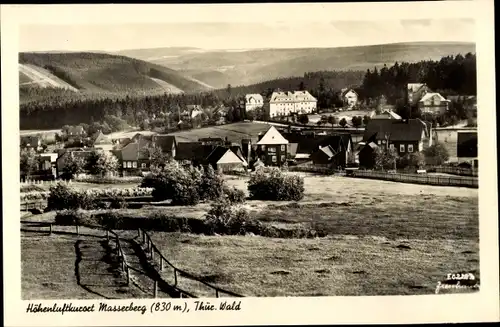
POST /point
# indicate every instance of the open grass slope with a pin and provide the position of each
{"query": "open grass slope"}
(99, 73)
(234, 132)
(222, 67)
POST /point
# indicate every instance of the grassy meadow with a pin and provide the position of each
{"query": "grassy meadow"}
(384, 238)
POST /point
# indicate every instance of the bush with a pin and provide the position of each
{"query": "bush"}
(118, 202)
(274, 185)
(184, 185)
(223, 219)
(73, 217)
(211, 185)
(233, 194)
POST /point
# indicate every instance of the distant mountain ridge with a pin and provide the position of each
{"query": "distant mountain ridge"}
(249, 66)
(101, 73)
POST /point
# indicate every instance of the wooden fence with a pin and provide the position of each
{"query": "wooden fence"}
(154, 252)
(41, 204)
(419, 179)
(309, 168)
(119, 251)
(454, 170)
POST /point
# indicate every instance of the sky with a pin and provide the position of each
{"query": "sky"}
(244, 35)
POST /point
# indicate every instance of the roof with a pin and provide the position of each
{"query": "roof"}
(222, 155)
(414, 87)
(193, 151)
(398, 130)
(76, 130)
(49, 156)
(295, 96)
(330, 153)
(467, 144)
(345, 91)
(100, 138)
(430, 95)
(255, 96)
(137, 150)
(310, 143)
(272, 136)
(164, 142)
(30, 139)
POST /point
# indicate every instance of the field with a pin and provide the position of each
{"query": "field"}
(378, 234)
(234, 132)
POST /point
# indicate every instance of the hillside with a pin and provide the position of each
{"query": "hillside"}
(222, 67)
(99, 73)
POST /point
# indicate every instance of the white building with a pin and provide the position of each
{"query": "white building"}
(253, 101)
(285, 103)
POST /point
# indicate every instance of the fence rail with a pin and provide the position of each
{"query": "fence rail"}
(419, 179)
(151, 247)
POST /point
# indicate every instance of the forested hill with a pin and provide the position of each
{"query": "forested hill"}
(79, 75)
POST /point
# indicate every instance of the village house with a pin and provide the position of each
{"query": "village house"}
(253, 101)
(221, 158)
(332, 150)
(286, 103)
(68, 154)
(415, 92)
(404, 136)
(349, 98)
(101, 141)
(31, 142)
(272, 148)
(433, 104)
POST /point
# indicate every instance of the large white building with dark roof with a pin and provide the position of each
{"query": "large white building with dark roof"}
(286, 103)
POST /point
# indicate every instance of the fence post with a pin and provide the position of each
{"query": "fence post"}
(155, 289)
(175, 277)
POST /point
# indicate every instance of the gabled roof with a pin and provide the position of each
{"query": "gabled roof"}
(414, 87)
(295, 96)
(344, 92)
(196, 151)
(430, 95)
(222, 155)
(272, 136)
(397, 130)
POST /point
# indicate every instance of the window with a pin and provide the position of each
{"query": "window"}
(383, 141)
(282, 159)
(263, 147)
(378, 142)
(410, 147)
(401, 148)
(129, 164)
(271, 149)
(124, 164)
(391, 146)
(143, 165)
(274, 159)
(282, 148)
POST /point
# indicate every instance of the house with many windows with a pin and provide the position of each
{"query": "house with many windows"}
(286, 103)
(272, 148)
(253, 101)
(433, 104)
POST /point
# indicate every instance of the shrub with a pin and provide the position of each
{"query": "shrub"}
(211, 184)
(223, 219)
(63, 197)
(272, 184)
(118, 202)
(233, 194)
(73, 217)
